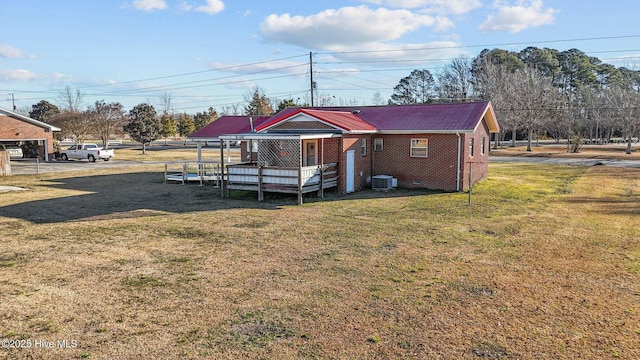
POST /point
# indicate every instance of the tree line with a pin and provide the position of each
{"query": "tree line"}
(558, 94)
(105, 121)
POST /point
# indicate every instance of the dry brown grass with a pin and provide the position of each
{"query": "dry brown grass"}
(544, 264)
(609, 151)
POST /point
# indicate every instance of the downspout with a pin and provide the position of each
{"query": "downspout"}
(458, 167)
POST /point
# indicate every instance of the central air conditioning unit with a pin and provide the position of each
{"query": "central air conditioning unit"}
(382, 182)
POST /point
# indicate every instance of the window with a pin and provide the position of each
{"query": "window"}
(471, 147)
(363, 146)
(419, 147)
(482, 146)
(377, 144)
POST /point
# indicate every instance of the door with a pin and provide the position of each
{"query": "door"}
(310, 153)
(350, 170)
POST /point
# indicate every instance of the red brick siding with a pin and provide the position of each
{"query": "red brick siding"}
(9, 127)
(436, 171)
(480, 161)
(331, 150)
(362, 164)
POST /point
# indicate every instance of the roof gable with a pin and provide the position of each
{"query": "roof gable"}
(342, 120)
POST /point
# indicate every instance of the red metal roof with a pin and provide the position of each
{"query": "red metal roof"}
(344, 120)
(463, 117)
(228, 125)
(429, 117)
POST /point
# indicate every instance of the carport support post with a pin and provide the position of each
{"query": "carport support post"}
(199, 152)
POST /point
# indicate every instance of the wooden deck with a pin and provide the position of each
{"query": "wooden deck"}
(297, 180)
(189, 171)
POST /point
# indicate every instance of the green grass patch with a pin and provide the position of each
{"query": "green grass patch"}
(545, 261)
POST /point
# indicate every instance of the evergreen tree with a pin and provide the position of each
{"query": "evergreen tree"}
(258, 103)
(143, 126)
(43, 111)
(186, 125)
(417, 88)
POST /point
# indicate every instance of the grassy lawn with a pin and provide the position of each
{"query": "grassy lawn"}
(545, 264)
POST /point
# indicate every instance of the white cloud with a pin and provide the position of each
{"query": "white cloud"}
(8, 51)
(17, 75)
(407, 54)
(266, 68)
(184, 6)
(149, 5)
(212, 7)
(523, 15)
(347, 26)
(440, 6)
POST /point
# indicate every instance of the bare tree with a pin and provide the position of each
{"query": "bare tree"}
(455, 82)
(233, 110)
(624, 103)
(107, 119)
(70, 100)
(166, 103)
(377, 99)
(531, 93)
(74, 125)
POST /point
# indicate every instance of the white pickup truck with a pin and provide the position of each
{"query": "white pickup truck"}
(87, 151)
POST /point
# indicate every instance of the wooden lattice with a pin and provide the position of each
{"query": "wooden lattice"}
(280, 153)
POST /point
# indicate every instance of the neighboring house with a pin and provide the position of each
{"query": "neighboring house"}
(434, 146)
(32, 135)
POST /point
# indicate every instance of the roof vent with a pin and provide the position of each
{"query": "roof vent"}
(355, 111)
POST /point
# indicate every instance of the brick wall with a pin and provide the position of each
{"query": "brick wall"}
(480, 160)
(11, 129)
(436, 171)
(362, 163)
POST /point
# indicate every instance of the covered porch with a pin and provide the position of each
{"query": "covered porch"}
(280, 163)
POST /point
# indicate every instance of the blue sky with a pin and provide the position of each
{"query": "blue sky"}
(214, 52)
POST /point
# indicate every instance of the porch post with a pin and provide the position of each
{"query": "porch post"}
(299, 185)
(321, 191)
(260, 193)
(300, 172)
(222, 171)
(199, 144)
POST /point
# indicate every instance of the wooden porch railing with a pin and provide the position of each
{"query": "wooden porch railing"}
(296, 180)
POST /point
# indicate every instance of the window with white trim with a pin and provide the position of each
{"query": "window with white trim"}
(482, 145)
(471, 147)
(363, 146)
(419, 147)
(377, 144)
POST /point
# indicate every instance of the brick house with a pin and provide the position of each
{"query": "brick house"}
(433, 146)
(20, 130)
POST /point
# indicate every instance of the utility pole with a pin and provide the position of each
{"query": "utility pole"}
(13, 102)
(471, 178)
(313, 84)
